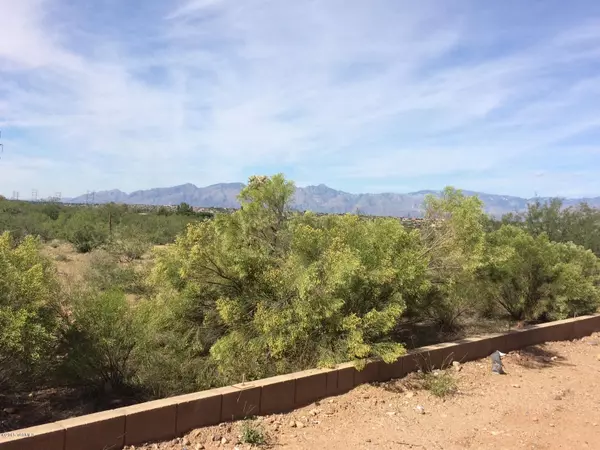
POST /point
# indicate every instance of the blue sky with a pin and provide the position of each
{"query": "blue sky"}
(384, 95)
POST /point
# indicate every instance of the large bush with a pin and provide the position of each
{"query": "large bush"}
(532, 277)
(99, 340)
(271, 292)
(453, 240)
(29, 312)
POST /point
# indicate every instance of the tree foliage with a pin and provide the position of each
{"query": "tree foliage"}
(453, 240)
(531, 277)
(267, 290)
(29, 311)
(274, 291)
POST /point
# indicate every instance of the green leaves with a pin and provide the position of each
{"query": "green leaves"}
(29, 310)
(295, 291)
(532, 277)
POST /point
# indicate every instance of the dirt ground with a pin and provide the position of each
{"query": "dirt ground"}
(549, 399)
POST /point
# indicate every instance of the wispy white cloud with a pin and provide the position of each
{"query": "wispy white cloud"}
(353, 94)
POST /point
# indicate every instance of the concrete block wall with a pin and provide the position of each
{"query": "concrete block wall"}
(174, 416)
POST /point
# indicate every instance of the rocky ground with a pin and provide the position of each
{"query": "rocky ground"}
(549, 399)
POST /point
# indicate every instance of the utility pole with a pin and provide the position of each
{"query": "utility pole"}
(34, 195)
(15, 195)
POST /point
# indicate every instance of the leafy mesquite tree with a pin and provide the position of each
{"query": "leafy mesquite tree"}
(273, 291)
(29, 311)
(532, 277)
(453, 244)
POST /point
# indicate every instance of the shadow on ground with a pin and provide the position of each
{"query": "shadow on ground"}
(538, 357)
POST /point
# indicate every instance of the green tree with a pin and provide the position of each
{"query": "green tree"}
(86, 229)
(453, 239)
(29, 312)
(534, 278)
(273, 292)
(183, 209)
(99, 341)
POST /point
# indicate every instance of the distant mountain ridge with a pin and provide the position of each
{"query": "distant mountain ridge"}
(320, 198)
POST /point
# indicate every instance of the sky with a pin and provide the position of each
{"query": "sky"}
(364, 96)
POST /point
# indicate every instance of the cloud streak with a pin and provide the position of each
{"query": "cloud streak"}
(352, 94)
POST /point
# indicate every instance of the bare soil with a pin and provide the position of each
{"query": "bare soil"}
(549, 399)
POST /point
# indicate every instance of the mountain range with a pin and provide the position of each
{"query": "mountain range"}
(321, 198)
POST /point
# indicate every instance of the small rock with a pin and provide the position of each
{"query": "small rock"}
(299, 424)
(185, 441)
(516, 386)
(420, 409)
(598, 356)
(552, 425)
(10, 410)
(457, 366)
(391, 413)
(535, 419)
(224, 441)
(409, 394)
(216, 437)
(293, 424)
(314, 412)
(199, 447)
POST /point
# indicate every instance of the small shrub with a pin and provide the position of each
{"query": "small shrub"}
(441, 383)
(129, 249)
(252, 433)
(106, 273)
(61, 258)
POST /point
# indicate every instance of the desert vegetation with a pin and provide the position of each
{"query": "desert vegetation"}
(170, 301)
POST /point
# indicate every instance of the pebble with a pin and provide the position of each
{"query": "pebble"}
(391, 413)
(516, 386)
(409, 394)
(199, 447)
(299, 424)
(216, 437)
(224, 441)
(457, 366)
(10, 410)
(420, 409)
